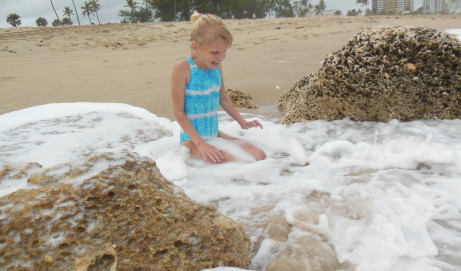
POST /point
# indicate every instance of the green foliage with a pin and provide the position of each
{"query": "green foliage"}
(302, 8)
(141, 15)
(56, 22)
(320, 8)
(95, 7)
(41, 22)
(67, 12)
(13, 19)
(91, 7)
(136, 13)
(67, 21)
(283, 8)
(354, 12)
(87, 11)
(371, 12)
(418, 11)
(362, 2)
(174, 10)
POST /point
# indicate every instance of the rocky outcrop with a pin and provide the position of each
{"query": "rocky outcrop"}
(383, 73)
(240, 99)
(125, 217)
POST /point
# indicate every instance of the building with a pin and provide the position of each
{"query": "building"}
(394, 6)
(434, 6)
(374, 4)
(429, 6)
(454, 6)
(331, 12)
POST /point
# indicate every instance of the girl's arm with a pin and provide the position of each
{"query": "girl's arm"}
(227, 105)
(179, 79)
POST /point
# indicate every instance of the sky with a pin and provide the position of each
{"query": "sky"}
(30, 10)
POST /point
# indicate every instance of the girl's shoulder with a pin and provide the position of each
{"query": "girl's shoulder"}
(181, 65)
(181, 69)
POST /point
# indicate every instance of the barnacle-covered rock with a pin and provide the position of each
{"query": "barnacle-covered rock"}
(383, 73)
(126, 217)
(240, 99)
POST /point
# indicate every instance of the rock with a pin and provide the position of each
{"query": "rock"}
(123, 217)
(383, 73)
(240, 99)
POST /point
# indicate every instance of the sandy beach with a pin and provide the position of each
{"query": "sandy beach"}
(131, 64)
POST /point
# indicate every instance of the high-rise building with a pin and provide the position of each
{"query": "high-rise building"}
(434, 6)
(394, 6)
(454, 6)
(374, 4)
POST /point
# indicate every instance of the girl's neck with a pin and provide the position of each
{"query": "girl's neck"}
(198, 62)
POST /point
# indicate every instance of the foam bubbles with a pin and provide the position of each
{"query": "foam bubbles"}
(374, 196)
(456, 32)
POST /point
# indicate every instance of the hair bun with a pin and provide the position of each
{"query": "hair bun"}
(194, 17)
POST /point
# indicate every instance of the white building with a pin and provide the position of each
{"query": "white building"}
(331, 12)
(394, 6)
(434, 6)
(454, 6)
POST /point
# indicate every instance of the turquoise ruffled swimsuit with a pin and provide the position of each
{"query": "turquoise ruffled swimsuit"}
(201, 101)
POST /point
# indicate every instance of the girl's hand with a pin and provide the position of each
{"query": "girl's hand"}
(210, 153)
(250, 124)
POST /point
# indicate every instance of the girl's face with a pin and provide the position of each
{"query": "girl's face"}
(210, 55)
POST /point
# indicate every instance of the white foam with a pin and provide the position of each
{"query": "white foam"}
(173, 164)
(384, 195)
(456, 32)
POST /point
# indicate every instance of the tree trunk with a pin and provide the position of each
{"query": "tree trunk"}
(76, 12)
(54, 9)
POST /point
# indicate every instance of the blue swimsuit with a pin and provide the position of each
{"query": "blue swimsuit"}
(201, 101)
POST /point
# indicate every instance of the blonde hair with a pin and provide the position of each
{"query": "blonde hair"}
(208, 27)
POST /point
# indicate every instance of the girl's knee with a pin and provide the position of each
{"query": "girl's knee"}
(259, 154)
(256, 152)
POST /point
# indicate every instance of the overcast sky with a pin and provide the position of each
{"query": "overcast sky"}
(30, 10)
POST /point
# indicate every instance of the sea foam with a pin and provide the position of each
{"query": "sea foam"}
(380, 196)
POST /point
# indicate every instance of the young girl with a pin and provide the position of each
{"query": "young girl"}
(197, 90)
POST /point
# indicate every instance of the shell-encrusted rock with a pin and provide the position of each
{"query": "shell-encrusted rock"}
(383, 73)
(127, 217)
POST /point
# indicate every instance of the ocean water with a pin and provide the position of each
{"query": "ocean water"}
(380, 196)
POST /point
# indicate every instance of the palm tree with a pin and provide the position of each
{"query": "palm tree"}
(362, 2)
(41, 22)
(54, 9)
(146, 2)
(132, 5)
(303, 7)
(67, 12)
(320, 7)
(78, 19)
(67, 21)
(56, 22)
(13, 19)
(87, 11)
(95, 8)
